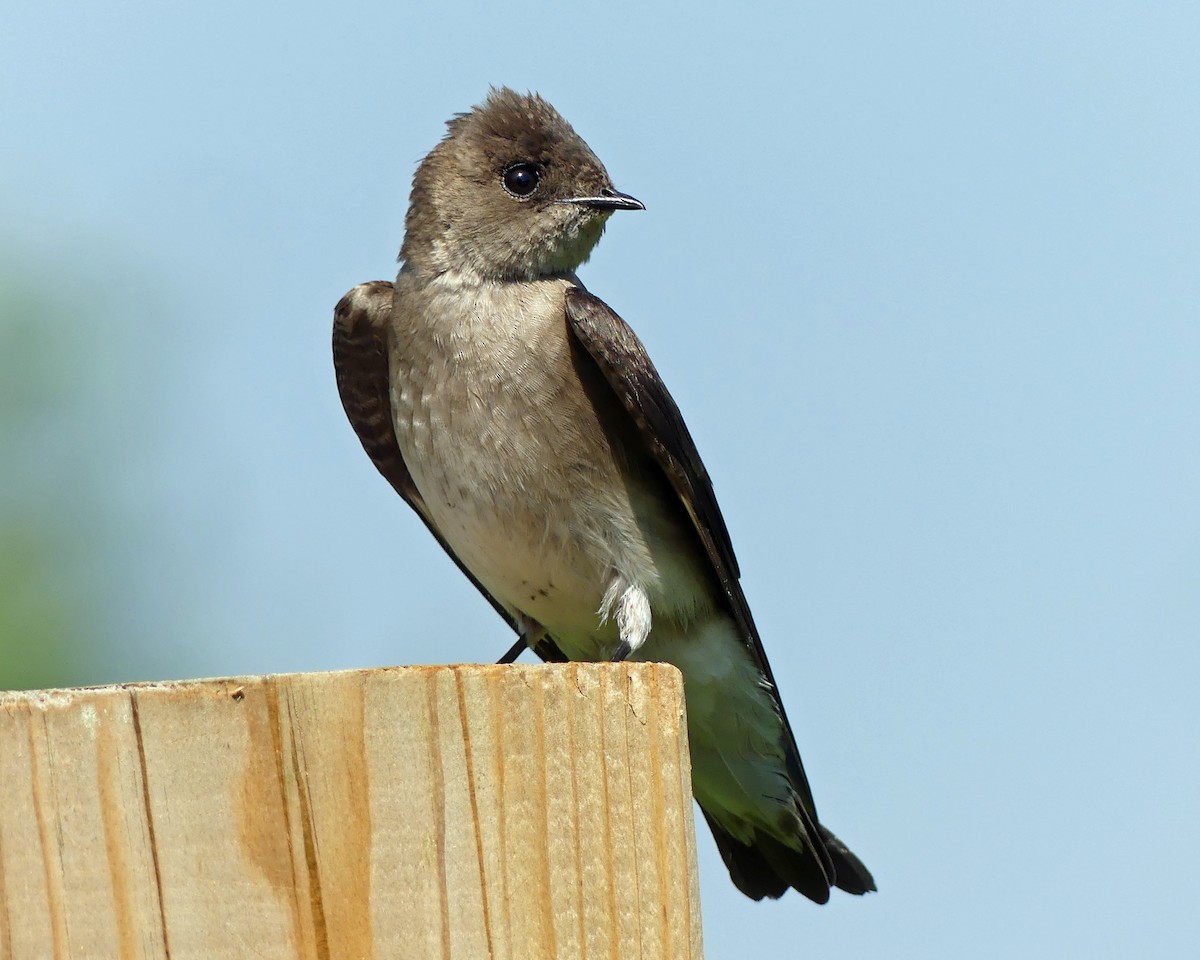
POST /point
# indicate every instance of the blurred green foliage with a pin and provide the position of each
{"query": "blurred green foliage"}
(47, 597)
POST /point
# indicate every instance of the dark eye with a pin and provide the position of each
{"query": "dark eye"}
(521, 179)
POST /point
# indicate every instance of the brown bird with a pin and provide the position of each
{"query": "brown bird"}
(523, 421)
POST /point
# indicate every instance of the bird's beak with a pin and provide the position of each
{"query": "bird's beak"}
(608, 199)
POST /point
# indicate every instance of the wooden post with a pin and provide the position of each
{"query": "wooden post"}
(418, 812)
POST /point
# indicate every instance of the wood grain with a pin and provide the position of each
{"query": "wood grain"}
(515, 812)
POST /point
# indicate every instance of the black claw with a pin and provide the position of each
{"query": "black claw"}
(623, 650)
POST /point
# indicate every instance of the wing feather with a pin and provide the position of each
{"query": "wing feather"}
(627, 367)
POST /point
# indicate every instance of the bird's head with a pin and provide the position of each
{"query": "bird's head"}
(511, 193)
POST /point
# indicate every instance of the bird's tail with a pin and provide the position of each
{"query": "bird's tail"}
(768, 867)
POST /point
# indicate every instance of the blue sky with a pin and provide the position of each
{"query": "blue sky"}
(924, 279)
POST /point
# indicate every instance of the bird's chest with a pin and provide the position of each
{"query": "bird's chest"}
(489, 410)
(510, 455)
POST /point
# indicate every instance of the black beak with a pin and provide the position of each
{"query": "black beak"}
(608, 199)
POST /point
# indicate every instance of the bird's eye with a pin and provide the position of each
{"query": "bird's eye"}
(521, 180)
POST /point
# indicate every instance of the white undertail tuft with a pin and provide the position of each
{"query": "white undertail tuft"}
(631, 606)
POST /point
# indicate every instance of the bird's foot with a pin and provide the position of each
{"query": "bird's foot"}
(530, 634)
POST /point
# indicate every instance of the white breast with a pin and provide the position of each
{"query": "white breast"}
(516, 467)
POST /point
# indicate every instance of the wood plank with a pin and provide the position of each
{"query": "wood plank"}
(470, 811)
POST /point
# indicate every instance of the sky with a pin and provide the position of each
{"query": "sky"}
(923, 278)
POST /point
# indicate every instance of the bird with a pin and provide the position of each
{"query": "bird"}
(523, 421)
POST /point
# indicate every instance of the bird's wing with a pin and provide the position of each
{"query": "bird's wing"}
(360, 360)
(619, 354)
(627, 367)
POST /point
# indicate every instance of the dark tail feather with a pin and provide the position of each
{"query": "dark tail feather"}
(769, 868)
(850, 873)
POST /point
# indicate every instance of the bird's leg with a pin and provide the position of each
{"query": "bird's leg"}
(515, 650)
(529, 634)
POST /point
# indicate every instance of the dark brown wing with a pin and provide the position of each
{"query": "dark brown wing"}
(628, 369)
(618, 352)
(360, 361)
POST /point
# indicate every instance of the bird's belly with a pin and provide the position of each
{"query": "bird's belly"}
(523, 559)
(547, 541)
(519, 511)
(545, 496)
